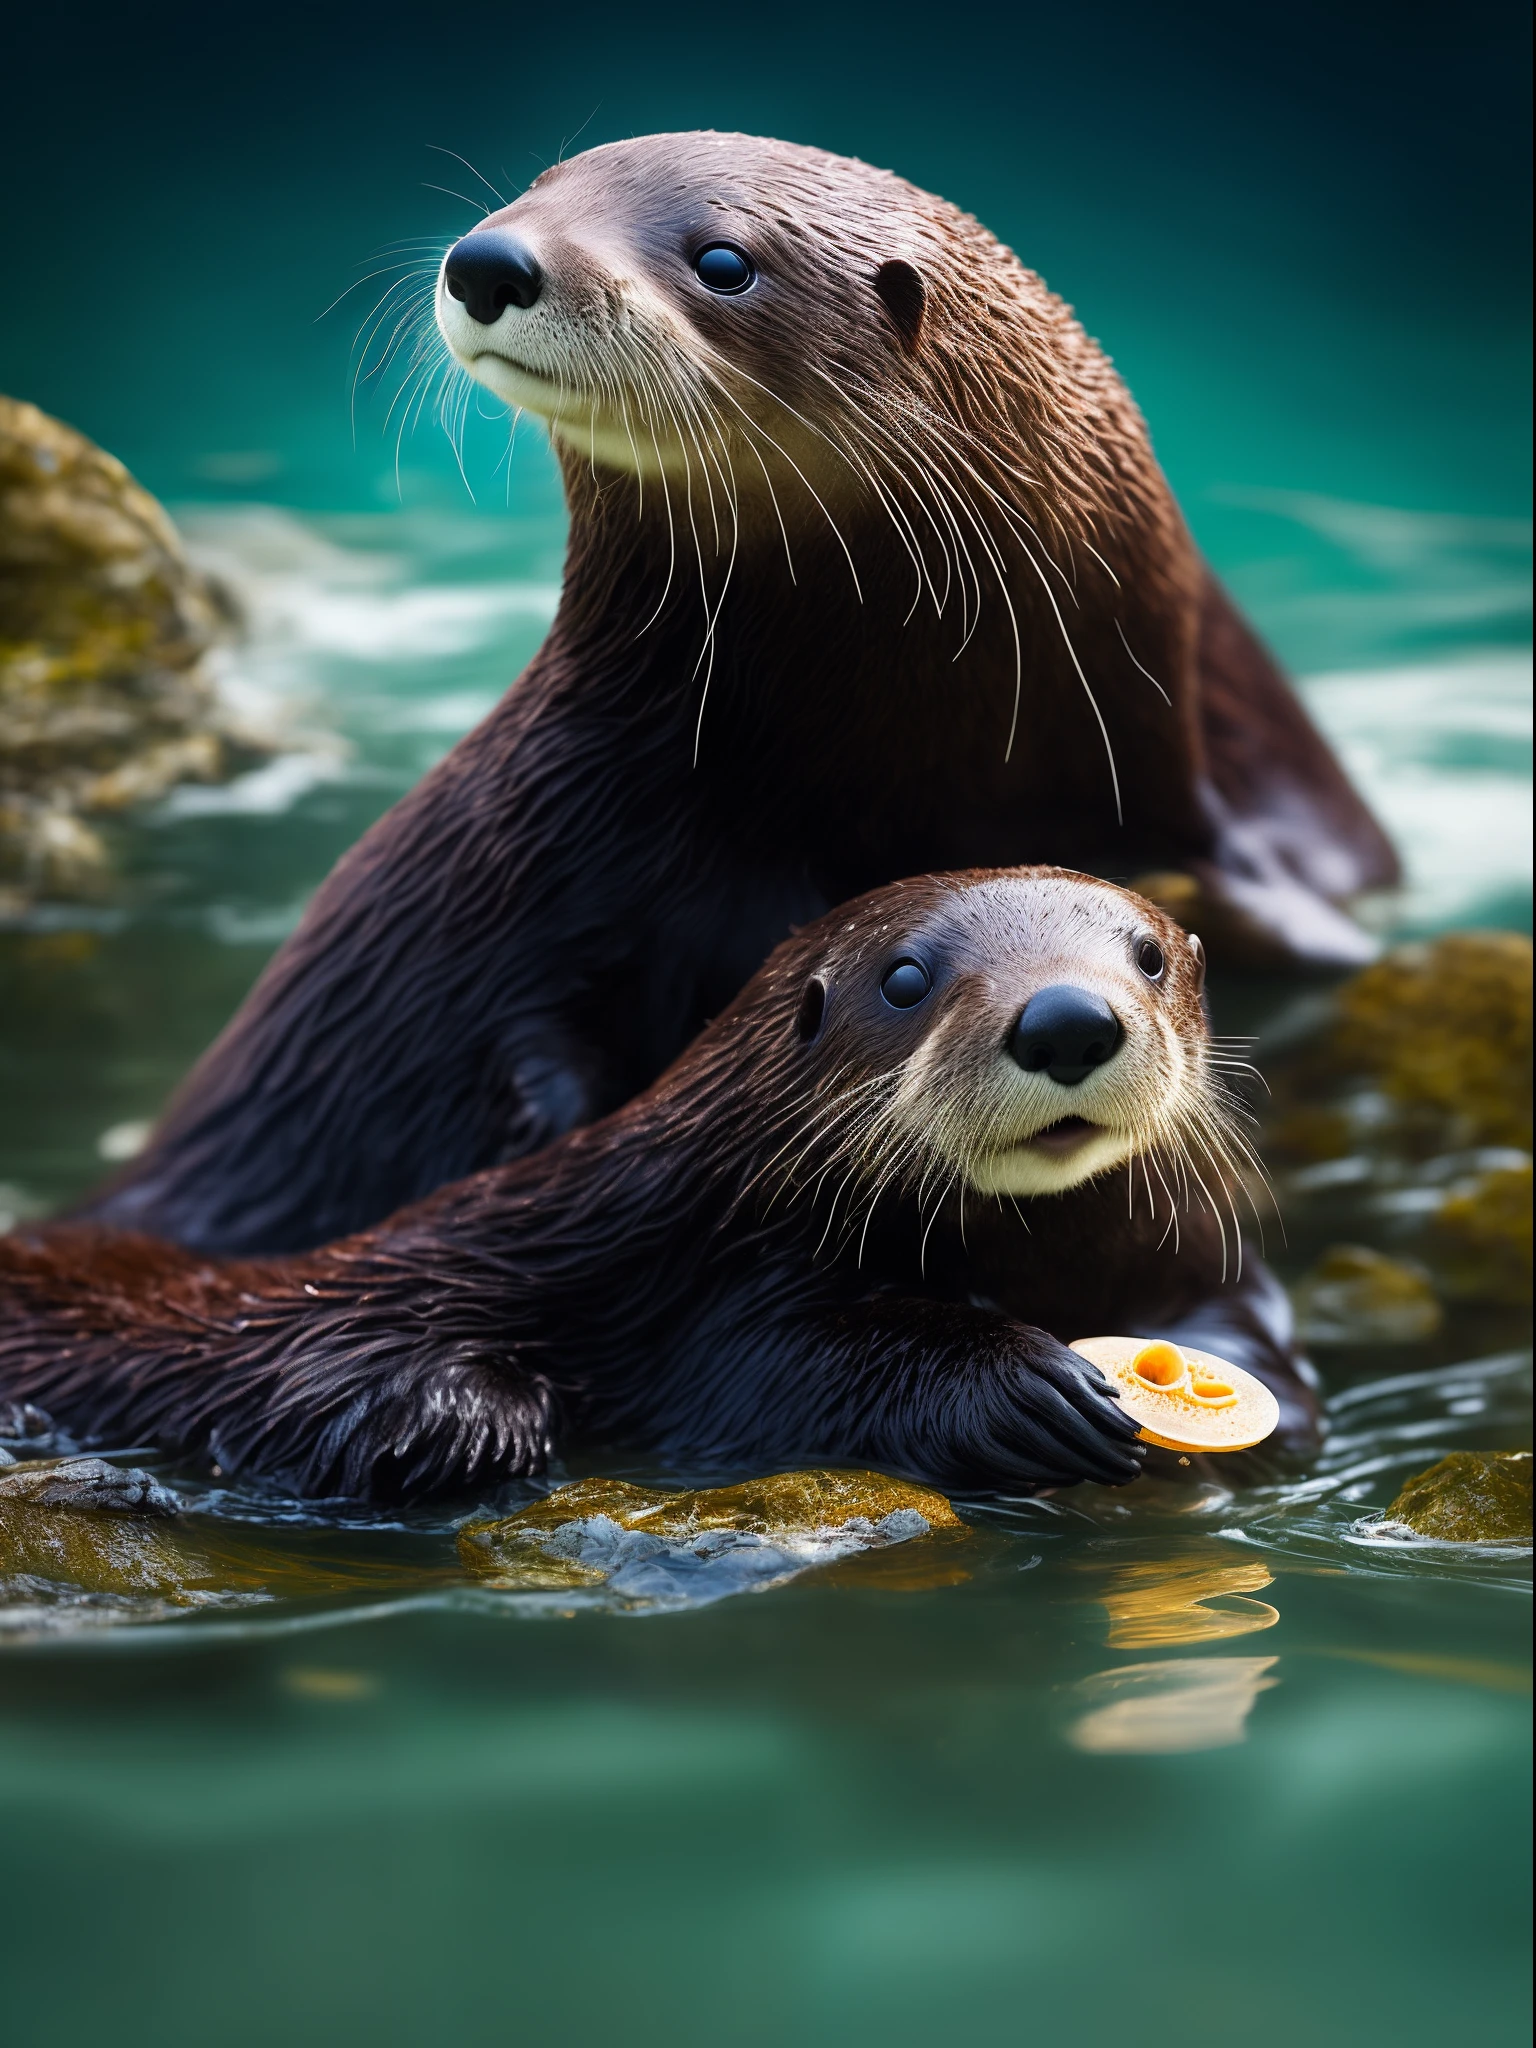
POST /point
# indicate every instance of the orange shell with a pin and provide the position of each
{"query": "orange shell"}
(1206, 1406)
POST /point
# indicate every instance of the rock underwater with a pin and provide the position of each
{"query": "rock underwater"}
(1418, 1086)
(1355, 1295)
(105, 700)
(85, 1542)
(642, 1547)
(1445, 1031)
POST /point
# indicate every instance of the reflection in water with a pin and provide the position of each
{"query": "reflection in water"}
(1160, 1709)
(1169, 1602)
(319, 1682)
(839, 1813)
(1483, 1671)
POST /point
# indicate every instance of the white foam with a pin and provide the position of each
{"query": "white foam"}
(1442, 751)
(263, 793)
(300, 590)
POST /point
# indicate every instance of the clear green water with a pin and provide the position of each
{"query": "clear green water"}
(839, 1811)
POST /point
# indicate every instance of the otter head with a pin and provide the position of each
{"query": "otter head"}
(729, 306)
(1014, 1032)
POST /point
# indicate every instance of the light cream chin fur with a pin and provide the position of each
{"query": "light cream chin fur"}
(527, 369)
(1023, 1170)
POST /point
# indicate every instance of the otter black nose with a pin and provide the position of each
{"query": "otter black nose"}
(1065, 1032)
(491, 270)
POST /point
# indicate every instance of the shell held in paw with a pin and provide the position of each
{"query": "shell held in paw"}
(1182, 1399)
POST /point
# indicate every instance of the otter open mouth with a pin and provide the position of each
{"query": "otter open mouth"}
(1067, 1135)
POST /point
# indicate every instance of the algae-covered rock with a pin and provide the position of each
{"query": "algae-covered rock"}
(1445, 1028)
(104, 699)
(1469, 1497)
(95, 1553)
(1354, 1295)
(92, 1527)
(1414, 1089)
(645, 1546)
(75, 1532)
(86, 1483)
(1482, 1235)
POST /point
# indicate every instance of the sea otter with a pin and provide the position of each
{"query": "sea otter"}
(871, 572)
(944, 1130)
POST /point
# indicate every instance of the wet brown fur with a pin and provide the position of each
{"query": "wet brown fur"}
(737, 1269)
(784, 673)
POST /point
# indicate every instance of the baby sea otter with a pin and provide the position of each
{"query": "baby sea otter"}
(872, 572)
(943, 1131)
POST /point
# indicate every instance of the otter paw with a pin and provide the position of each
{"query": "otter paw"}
(1063, 1421)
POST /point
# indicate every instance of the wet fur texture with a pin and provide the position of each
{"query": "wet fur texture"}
(774, 1255)
(871, 572)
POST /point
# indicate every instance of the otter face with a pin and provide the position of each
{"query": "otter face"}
(1018, 1033)
(698, 300)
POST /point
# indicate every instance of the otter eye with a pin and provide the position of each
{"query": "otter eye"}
(906, 984)
(1149, 958)
(813, 1007)
(724, 269)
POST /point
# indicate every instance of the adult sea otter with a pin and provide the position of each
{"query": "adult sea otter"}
(871, 571)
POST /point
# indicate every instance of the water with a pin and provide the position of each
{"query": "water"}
(1181, 1764)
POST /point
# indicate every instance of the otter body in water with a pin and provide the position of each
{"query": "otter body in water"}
(943, 1131)
(871, 572)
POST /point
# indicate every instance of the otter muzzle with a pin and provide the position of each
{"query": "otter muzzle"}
(1065, 1032)
(490, 270)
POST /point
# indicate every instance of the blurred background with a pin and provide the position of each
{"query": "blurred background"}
(829, 1815)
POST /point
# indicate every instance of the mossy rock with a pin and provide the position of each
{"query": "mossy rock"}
(93, 1527)
(1444, 1028)
(73, 1550)
(1469, 1497)
(94, 1553)
(78, 1526)
(1482, 1237)
(1354, 1295)
(532, 1551)
(104, 697)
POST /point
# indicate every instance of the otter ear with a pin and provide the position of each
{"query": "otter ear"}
(905, 297)
(813, 1007)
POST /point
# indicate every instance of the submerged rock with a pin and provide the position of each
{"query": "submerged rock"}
(65, 1564)
(61, 1552)
(82, 1526)
(104, 698)
(1469, 1497)
(1444, 1029)
(1482, 1234)
(1413, 1090)
(89, 1483)
(644, 1546)
(1354, 1295)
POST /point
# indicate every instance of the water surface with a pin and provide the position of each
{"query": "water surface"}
(1186, 1764)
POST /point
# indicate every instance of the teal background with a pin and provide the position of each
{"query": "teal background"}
(826, 1813)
